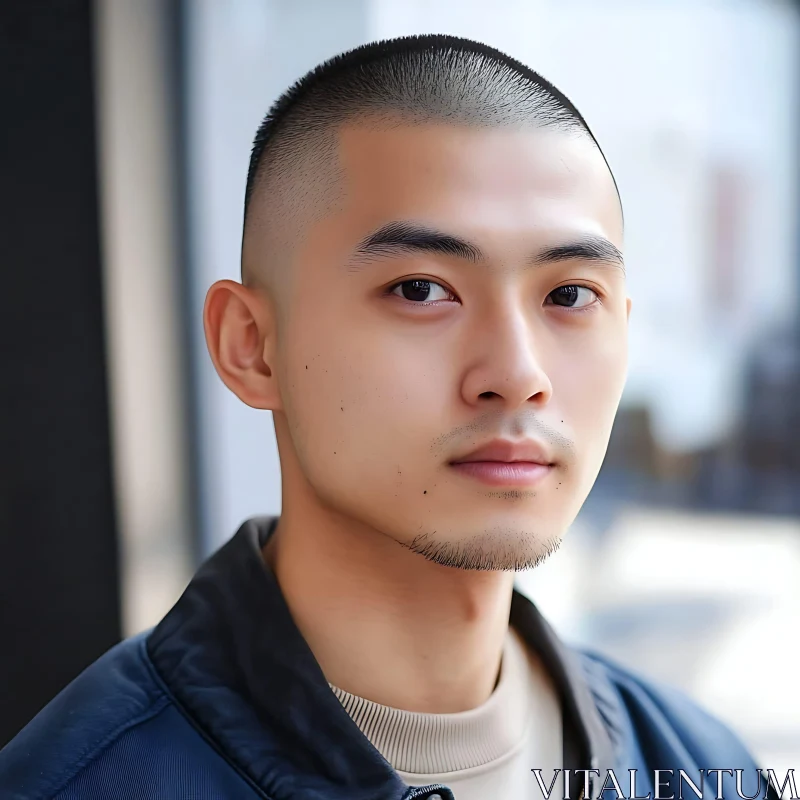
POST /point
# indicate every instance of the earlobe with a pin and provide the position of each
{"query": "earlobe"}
(238, 328)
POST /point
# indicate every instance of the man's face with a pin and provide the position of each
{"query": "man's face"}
(394, 363)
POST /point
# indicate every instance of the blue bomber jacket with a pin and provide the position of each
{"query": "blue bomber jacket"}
(224, 699)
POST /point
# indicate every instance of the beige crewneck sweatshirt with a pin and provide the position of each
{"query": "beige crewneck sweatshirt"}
(487, 752)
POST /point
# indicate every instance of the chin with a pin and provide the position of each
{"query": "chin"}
(497, 548)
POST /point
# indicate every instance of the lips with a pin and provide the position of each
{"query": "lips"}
(504, 450)
(505, 463)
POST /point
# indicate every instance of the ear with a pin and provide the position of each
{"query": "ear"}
(629, 308)
(239, 324)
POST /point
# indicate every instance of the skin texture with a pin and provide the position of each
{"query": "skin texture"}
(372, 395)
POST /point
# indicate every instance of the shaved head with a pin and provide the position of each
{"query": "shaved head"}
(295, 174)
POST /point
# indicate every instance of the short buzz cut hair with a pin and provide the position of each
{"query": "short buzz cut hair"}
(408, 80)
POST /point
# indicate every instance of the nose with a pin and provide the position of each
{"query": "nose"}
(507, 366)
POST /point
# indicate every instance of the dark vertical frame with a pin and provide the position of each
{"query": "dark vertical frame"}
(59, 584)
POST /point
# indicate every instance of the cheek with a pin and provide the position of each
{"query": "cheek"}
(589, 384)
(354, 397)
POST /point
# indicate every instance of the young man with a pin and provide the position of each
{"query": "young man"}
(434, 309)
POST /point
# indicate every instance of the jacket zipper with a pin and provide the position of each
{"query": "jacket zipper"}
(425, 791)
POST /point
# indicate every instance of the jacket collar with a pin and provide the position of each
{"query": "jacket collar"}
(235, 662)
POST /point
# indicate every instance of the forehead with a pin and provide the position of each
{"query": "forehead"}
(501, 179)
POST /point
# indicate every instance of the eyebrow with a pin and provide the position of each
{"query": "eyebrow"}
(398, 238)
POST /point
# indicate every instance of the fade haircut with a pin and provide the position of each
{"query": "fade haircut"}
(409, 80)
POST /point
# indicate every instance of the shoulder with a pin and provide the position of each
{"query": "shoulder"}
(115, 727)
(114, 694)
(664, 722)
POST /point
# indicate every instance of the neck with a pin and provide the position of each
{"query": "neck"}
(383, 622)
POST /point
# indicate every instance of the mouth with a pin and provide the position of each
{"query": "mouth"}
(506, 462)
(503, 473)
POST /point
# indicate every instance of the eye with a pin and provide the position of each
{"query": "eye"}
(570, 297)
(418, 291)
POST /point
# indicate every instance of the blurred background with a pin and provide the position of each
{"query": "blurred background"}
(125, 462)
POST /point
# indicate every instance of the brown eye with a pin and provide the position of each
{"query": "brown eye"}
(569, 296)
(418, 290)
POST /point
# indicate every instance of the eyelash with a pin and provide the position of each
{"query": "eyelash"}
(590, 307)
